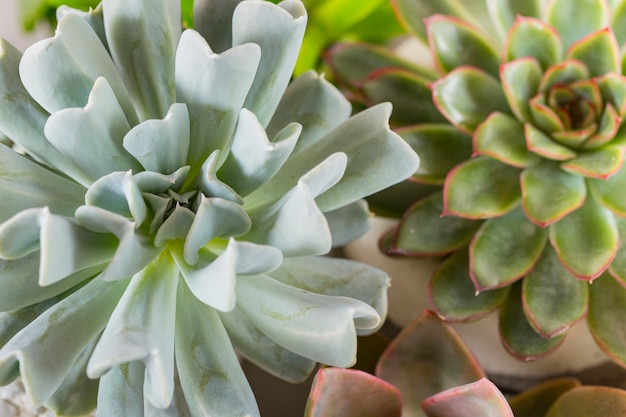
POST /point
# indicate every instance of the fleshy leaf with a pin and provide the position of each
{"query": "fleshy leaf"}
(541, 144)
(618, 267)
(315, 326)
(607, 129)
(607, 302)
(550, 277)
(586, 258)
(602, 163)
(504, 12)
(618, 20)
(530, 37)
(454, 295)
(608, 191)
(545, 117)
(480, 398)
(599, 51)
(504, 249)
(422, 230)
(348, 222)
(466, 96)
(352, 393)
(589, 401)
(206, 362)
(144, 53)
(481, 188)
(613, 90)
(502, 138)
(455, 43)
(518, 336)
(213, 20)
(440, 146)
(574, 21)
(520, 81)
(537, 400)
(549, 193)
(436, 356)
(565, 72)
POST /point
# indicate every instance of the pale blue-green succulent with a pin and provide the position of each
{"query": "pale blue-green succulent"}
(165, 201)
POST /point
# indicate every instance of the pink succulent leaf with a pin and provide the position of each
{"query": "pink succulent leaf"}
(531, 37)
(574, 21)
(541, 144)
(586, 258)
(455, 43)
(408, 92)
(607, 305)
(423, 232)
(565, 72)
(480, 398)
(467, 96)
(441, 147)
(544, 117)
(454, 295)
(427, 357)
(481, 188)
(590, 401)
(518, 336)
(599, 52)
(602, 163)
(549, 193)
(502, 138)
(550, 277)
(609, 192)
(505, 12)
(617, 269)
(613, 90)
(607, 129)
(520, 81)
(537, 400)
(504, 249)
(351, 393)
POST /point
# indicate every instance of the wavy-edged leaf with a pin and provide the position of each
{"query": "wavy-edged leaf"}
(502, 138)
(440, 146)
(531, 37)
(455, 43)
(454, 295)
(423, 231)
(481, 188)
(574, 21)
(518, 336)
(589, 401)
(549, 193)
(520, 81)
(426, 358)
(504, 249)
(599, 51)
(480, 398)
(537, 400)
(550, 277)
(584, 257)
(352, 393)
(505, 12)
(607, 305)
(467, 95)
(408, 92)
(602, 163)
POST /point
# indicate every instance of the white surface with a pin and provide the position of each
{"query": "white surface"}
(11, 26)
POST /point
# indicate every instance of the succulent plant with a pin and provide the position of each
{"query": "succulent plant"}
(427, 371)
(166, 202)
(519, 119)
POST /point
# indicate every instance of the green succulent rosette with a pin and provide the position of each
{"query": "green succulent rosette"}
(165, 200)
(518, 116)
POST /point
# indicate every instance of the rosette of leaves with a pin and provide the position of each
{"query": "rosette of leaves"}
(519, 122)
(427, 371)
(165, 203)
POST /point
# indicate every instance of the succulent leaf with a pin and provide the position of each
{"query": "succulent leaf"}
(549, 194)
(502, 138)
(617, 269)
(599, 52)
(531, 37)
(352, 393)
(466, 96)
(481, 188)
(426, 345)
(504, 249)
(453, 294)
(586, 258)
(537, 400)
(520, 81)
(574, 21)
(477, 398)
(550, 277)
(565, 72)
(504, 12)
(589, 401)
(518, 336)
(601, 164)
(613, 90)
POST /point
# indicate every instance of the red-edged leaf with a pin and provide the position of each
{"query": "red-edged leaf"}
(520, 80)
(599, 52)
(530, 37)
(609, 125)
(541, 144)
(610, 192)
(574, 20)
(602, 163)
(565, 72)
(590, 401)
(537, 400)
(543, 116)
(613, 90)
(480, 398)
